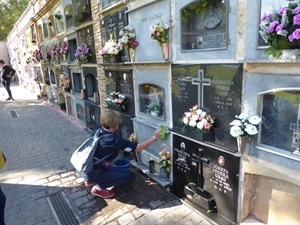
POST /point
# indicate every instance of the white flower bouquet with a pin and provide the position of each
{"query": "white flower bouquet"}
(244, 125)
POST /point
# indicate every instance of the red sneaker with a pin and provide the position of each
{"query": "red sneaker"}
(88, 184)
(102, 193)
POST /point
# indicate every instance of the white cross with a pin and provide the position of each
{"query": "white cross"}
(296, 134)
(201, 81)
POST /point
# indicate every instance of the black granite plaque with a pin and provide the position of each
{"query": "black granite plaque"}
(207, 178)
(65, 71)
(112, 25)
(121, 81)
(80, 112)
(125, 86)
(83, 10)
(110, 81)
(216, 89)
(86, 37)
(126, 127)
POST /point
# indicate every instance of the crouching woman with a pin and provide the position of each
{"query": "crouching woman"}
(103, 174)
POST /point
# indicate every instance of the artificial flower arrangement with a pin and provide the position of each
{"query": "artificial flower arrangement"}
(153, 107)
(159, 31)
(111, 48)
(82, 53)
(117, 100)
(54, 51)
(64, 48)
(281, 29)
(165, 160)
(65, 82)
(244, 125)
(37, 55)
(29, 60)
(198, 118)
(48, 57)
(133, 138)
(128, 37)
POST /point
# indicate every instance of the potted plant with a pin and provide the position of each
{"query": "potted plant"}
(62, 105)
(82, 53)
(37, 55)
(54, 51)
(153, 108)
(64, 50)
(165, 163)
(281, 29)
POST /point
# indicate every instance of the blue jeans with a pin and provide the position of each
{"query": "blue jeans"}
(6, 84)
(113, 176)
(2, 206)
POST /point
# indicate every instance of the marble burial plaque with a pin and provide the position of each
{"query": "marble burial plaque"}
(204, 25)
(216, 89)
(208, 176)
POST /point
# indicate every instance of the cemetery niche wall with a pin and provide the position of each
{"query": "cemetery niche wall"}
(216, 89)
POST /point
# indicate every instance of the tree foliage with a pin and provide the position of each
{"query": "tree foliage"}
(10, 12)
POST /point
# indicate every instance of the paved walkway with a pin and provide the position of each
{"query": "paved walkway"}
(42, 188)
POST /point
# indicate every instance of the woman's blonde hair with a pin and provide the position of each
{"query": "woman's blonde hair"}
(110, 118)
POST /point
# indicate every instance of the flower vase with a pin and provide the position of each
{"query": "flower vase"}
(165, 50)
(290, 54)
(66, 89)
(243, 144)
(154, 113)
(96, 97)
(132, 54)
(165, 174)
(64, 57)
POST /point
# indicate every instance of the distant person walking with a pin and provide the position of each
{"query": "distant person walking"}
(7, 74)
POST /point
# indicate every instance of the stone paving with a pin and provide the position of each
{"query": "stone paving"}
(38, 140)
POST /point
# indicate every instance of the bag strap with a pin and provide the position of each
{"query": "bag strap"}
(98, 136)
(100, 160)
